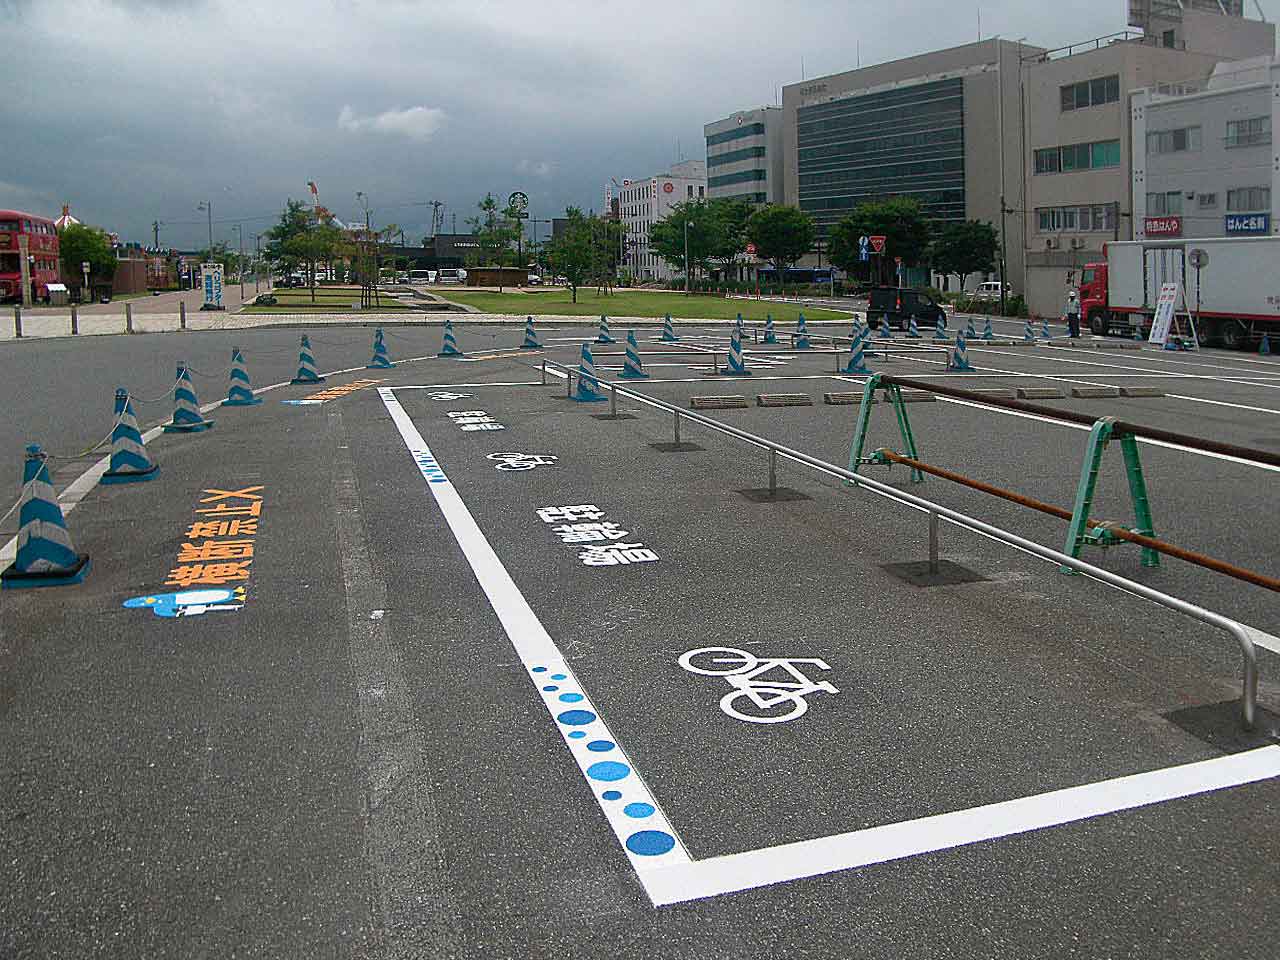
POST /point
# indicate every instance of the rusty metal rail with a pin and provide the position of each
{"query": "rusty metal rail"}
(1266, 457)
(1113, 528)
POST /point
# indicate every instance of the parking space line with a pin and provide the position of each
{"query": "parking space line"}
(1222, 403)
(897, 841)
(637, 820)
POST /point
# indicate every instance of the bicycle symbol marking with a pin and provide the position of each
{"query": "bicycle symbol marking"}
(521, 461)
(756, 696)
(445, 395)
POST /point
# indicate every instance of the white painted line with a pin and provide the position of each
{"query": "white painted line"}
(1222, 403)
(470, 386)
(636, 818)
(861, 848)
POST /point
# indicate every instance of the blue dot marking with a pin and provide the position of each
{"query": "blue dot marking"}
(539, 669)
(559, 676)
(612, 795)
(638, 811)
(650, 843)
(570, 697)
(576, 718)
(577, 734)
(599, 746)
(551, 688)
(608, 770)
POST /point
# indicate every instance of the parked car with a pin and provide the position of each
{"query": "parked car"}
(534, 280)
(451, 275)
(896, 305)
(991, 290)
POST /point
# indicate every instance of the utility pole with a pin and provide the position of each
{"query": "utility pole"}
(368, 269)
(257, 260)
(686, 256)
(240, 264)
(207, 205)
(155, 233)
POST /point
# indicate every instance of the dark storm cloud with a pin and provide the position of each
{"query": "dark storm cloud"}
(134, 110)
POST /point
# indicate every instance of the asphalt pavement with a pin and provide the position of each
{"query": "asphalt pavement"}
(367, 745)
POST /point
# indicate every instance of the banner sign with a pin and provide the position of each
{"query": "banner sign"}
(1248, 224)
(1163, 226)
(211, 281)
(1164, 313)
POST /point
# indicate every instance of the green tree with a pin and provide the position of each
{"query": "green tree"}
(728, 227)
(573, 254)
(494, 233)
(667, 237)
(900, 220)
(782, 236)
(78, 244)
(964, 247)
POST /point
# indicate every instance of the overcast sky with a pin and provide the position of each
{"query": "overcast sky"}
(136, 110)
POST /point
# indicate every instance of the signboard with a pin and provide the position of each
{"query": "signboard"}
(1163, 226)
(877, 244)
(864, 249)
(211, 281)
(1164, 313)
(1248, 224)
(519, 202)
(1198, 258)
(668, 187)
(751, 249)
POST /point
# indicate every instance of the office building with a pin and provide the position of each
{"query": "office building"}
(642, 203)
(1205, 163)
(929, 127)
(745, 156)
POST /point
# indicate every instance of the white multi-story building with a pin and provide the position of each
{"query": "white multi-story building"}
(1205, 163)
(642, 203)
(744, 156)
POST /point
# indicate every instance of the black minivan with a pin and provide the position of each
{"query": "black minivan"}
(895, 305)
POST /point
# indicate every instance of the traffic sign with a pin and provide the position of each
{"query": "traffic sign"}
(1198, 258)
(877, 243)
(863, 249)
(751, 249)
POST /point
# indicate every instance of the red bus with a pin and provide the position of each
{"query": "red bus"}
(42, 253)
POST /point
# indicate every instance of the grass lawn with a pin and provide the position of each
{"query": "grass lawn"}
(328, 300)
(634, 303)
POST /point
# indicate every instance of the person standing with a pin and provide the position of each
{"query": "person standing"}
(1072, 314)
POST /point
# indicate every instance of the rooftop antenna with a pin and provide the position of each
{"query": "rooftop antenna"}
(859, 54)
(802, 66)
(979, 24)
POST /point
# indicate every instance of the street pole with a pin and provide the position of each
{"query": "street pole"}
(240, 264)
(257, 260)
(1004, 211)
(686, 255)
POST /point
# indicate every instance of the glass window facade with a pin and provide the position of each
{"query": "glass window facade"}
(737, 133)
(743, 176)
(1091, 93)
(1249, 199)
(899, 143)
(733, 156)
(1173, 141)
(1078, 156)
(1256, 131)
(1090, 218)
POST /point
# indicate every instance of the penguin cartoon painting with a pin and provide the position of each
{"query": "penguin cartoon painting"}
(189, 603)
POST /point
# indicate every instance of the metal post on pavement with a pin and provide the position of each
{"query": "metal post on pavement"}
(17, 321)
(75, 320)
(677, 416)
(544, 371)
(568, 384)
(128, 318)
(933, 542)
(773, 471)
(613, 399)
(182, 314)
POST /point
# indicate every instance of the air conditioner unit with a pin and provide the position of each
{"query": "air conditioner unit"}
(1077, 243)
(1051, 243)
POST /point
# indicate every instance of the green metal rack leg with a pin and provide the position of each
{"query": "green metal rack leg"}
(1098, 438)
(1141, 503)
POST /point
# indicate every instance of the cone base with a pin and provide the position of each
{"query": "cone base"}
(581, 397)
(242, 403)
(13, 579)
(860, 371)
(726, 372)
(131, 477)
(802, 346)
(769, 340)
(379, 366)
(633, 376)
(298, 382)
(531, 346)
(965, 369)
(605, 340)
(450, 353)
(187, 427)
(672, 339)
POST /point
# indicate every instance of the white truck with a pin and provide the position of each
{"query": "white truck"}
(1234, 295)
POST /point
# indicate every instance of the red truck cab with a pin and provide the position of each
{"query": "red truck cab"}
(1093, 296)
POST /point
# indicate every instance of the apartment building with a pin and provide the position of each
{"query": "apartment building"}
(642, 203)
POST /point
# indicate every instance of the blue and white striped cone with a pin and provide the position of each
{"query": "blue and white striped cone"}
(857, 356)
(971, 332)
(129, 459)
(769, 335)
(737, 325)
(1044, 329)
(940, 329)
(531, 341)
(632, 368)
(668, 331)
(1029, 332)
(736, 367)
(987, 332)
(187, 417)
(588, 386)
(450, 346)
(960, 357)
(802, 335)
(46, 557)
(306, 364)
(913, 331)
(605, 336)
(1265, 346)
(380, 359)
(239, 390)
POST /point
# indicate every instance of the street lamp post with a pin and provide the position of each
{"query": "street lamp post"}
(207, 206)
(240, 265)
(257, 260)
(686, 255)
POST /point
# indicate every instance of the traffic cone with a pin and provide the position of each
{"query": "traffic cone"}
(1265, 346)
(737, 325)
(1029, 332)
(913, 331)
(632, 368)
(306, 364)
(970, 332)
(769, 335)
(187, 417)
(46, 557)
(857, 358)
(129, 459)
(380, 359)
(960, 357)
(1044, 329)
(668, 331)
(987, 332)
(802, 334)
(239, 392)
(531, 341)
(588, 386)
(605, 336)
(450, 346)
(940, 329)
(736, 367)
